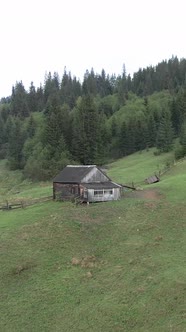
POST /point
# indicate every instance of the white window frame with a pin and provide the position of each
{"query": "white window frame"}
(98, 192)
(102, 192)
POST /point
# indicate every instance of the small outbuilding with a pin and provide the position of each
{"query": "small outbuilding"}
(87, 182)
(152, 179)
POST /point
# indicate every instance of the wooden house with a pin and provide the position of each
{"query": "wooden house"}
(88, 182)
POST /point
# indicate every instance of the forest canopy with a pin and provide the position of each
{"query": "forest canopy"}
(103, 118)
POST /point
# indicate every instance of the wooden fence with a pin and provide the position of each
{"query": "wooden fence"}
(10, 205)
(158, 173)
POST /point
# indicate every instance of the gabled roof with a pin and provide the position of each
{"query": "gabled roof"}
(73, 173)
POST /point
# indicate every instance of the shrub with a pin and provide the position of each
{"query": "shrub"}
(157, 153)
(179, 152)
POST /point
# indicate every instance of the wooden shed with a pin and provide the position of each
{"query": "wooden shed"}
(152, 179)
(87, 182)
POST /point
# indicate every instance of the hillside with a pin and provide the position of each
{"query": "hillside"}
(139, 166)
(15, 187)
(115, 266)
(96, 121)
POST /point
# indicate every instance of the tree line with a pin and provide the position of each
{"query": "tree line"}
(104, 117)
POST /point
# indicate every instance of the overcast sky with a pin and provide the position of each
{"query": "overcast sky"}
(40, 36)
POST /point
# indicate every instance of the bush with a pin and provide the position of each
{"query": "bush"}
(35, 171)
(179, 152)
(157, 153)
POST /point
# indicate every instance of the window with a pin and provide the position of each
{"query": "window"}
(108, 192)
(98, 193)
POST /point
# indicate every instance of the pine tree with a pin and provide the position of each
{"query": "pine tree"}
(32, 99)
(183, 138)
(2, 131)
(151, 125)
(2, 139)
(103, 140)
(40, 99)
(68, 90)
(78, 138)
(85, 131)
(64, 116)
(19, 105)
(89, 86)
(176, 116)
(140, 143)
(90, 117)
(15, 145)
(31, 127)
(165, 133)
(123, 140)
(131, 136)
(114, 127)
(52, 133)
(122, 87)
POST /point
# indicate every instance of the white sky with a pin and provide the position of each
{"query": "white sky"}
(39, 36)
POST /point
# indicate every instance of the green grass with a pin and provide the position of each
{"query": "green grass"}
(138, 166)
(134, 250)
(173, 183)
(15, 187)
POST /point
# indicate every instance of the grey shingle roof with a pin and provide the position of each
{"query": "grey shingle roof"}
(73, 174)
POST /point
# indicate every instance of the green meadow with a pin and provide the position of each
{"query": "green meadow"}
(14, 187)
(139, 166)
(115, 266)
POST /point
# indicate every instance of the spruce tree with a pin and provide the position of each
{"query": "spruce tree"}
(151, 125)
(131, 136)
(89, 86)
(90, 122)
(19, 104)
(40, 99)
(16, 141)
(140, 138)
(52, 133)
(78, 138)
(165, 133)
(2, 139)
(183, 138)
(31, 127)
(32, 99)
(85, 131)
(123, 140)
(176, 116)
(2, 131)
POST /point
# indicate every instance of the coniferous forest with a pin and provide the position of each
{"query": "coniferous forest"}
(102, 118)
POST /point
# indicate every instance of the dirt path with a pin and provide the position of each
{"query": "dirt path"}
(150, 194)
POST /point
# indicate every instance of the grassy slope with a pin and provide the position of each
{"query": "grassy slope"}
(137, 167)
(15, 187)
(173, 183)
(136, 282)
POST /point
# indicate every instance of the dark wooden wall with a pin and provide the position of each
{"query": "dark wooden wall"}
(65, 191)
